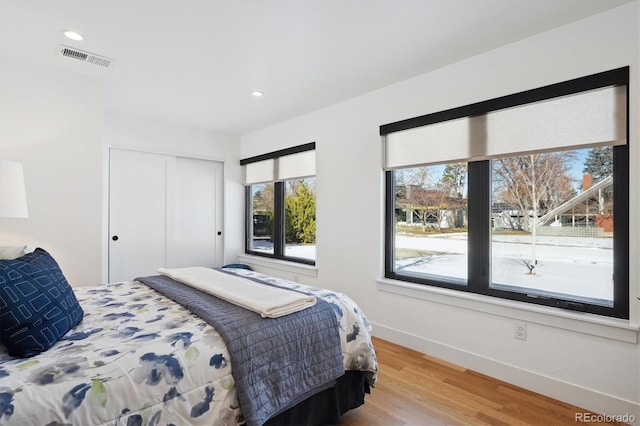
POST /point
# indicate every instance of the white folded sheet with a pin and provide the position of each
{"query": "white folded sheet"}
(270, 302)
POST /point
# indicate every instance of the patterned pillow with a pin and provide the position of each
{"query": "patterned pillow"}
(37, 305)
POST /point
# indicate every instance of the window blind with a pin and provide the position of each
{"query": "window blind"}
(260, 171)
(291, 163)
(590, 118)
(295, 166)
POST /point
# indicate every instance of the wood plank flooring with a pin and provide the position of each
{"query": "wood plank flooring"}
(416, 389)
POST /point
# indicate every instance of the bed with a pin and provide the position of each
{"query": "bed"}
(142, 354)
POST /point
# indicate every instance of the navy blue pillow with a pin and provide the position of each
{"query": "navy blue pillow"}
(238, 266)
(37, 304)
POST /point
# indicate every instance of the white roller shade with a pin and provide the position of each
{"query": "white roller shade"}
(260, 171)
(593, 118)
(294, 166)
(434, 143)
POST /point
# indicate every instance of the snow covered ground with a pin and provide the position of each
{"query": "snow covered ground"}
(580, 267)
(305, 251)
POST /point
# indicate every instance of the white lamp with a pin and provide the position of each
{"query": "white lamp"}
(13, 197)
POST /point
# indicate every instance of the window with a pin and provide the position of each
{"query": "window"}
(281, 204)
(431, 222)
(261, 219)
(523, 197)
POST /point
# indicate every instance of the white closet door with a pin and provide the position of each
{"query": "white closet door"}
(137, 213)
(164, 211)
(197, 220)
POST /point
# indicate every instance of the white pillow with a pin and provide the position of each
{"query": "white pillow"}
(10, 253)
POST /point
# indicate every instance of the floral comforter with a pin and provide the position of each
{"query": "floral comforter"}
(138, 358)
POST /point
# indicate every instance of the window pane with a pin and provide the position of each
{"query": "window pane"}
(430, 210)
(262, 202)
(300, 218)
(552, 224)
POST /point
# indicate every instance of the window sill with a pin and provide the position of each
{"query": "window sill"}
(281, 265)
(611, 328)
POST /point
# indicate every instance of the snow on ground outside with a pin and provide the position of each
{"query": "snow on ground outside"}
(578, 266)
(568, 265)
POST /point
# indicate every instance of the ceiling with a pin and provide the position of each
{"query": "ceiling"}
(194, 63)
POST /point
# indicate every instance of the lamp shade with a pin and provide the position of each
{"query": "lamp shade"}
(13, 198)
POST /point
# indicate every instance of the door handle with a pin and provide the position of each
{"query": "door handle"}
(114, 238)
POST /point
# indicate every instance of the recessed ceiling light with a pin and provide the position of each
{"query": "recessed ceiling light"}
(73, 35)
(257, 93)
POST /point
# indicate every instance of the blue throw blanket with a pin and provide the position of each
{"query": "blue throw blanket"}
(276, 362)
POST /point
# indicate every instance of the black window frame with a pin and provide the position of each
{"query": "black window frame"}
(278, 209)
(479, 202)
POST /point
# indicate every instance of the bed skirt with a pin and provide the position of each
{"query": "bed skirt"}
(327, 406)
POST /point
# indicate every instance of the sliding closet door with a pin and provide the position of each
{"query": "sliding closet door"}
(138, 202)
(197, 218)
(164, 211)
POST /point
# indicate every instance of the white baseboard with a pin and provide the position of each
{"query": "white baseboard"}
(567, 392)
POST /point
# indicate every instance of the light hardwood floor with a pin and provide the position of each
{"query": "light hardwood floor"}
(416, 389)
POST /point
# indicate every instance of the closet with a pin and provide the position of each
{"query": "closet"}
(164, 211)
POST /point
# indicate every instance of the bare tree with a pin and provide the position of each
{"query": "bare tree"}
(535, 183)
(418, 194)
(263, 198)
(430, 200)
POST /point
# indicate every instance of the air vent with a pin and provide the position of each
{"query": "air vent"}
(83, 56)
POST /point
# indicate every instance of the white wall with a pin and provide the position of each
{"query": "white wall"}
(51, 121)
(143, 134)
(591, 362)
(54, 122)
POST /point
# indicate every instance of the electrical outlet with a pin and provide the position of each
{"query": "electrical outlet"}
(520, 330)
